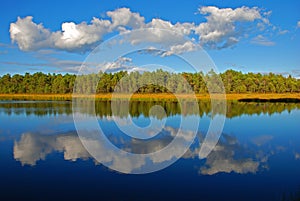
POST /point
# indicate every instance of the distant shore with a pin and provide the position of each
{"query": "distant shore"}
(153, 96)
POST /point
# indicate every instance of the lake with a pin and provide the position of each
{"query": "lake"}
(257, 157)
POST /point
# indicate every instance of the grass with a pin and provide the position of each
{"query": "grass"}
(158, 96)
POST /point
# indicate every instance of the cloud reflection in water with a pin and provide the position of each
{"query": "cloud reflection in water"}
(228, 156)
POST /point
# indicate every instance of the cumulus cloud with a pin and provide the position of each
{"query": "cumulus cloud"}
(123, 17)
(223, 28)
(29, 35)
(78, 36)
(122, 63)
(298, 24)
(178, 49)
(73, 37)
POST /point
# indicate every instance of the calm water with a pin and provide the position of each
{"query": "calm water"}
(256, 158)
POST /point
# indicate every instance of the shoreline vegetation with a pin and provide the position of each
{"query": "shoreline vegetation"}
(154, 96)
(153, 82)
(154, 85)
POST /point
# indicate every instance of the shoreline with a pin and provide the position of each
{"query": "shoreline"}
(158, 96)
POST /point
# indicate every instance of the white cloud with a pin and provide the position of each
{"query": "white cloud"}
(178, 49)
(282, 32)
(221, 26)
(182, 28)
(124, 17)
(121, 62)
(262, 40)
(29, 35)
(161, 32)
(73, 37)
(224, 28)
(78, 36)
(298, 24)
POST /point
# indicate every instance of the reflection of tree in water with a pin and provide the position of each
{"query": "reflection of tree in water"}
(137, 108)
(38, 108)
(295, 196)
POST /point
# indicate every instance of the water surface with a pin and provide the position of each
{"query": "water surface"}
(256, 158)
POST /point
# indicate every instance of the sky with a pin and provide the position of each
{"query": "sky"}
(57, 36)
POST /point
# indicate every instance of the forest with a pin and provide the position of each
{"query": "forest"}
(158, 81)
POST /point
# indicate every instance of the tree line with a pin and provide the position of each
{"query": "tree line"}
(158, 81)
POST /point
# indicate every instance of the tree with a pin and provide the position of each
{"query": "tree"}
(158, 81)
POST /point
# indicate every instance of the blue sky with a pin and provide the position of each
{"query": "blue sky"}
(259, 36)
